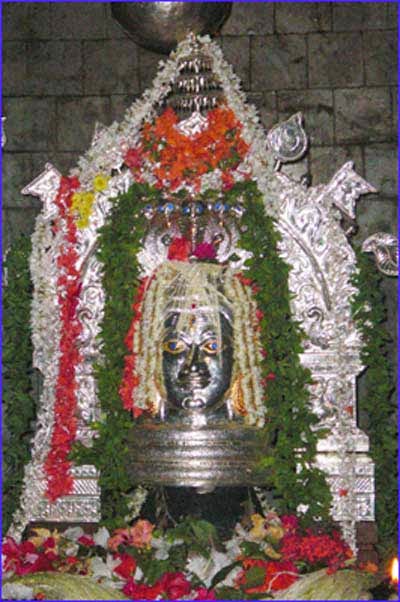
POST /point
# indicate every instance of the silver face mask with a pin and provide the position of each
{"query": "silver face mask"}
(197, 361)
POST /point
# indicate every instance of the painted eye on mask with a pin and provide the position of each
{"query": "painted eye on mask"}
(211, 347)
(174, 346)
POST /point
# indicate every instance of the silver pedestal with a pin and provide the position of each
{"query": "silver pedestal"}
(180, 455)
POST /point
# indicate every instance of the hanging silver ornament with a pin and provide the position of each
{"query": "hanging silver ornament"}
(385, 248)
(288, 140)
(159, 26)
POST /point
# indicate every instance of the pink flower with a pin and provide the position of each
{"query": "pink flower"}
(86, 540)
(204, 251)
(290, 523)
(141, 533)
(175, 585)
(140, 591)
(133, 158)
(119, 537)
(204, 594)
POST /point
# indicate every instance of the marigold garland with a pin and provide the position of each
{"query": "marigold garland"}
(177, 160)
(57, 466)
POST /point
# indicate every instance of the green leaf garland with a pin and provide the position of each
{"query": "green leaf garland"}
(19, 408)
(378, 402)
(118, 244)
(289, 414)
(295, 480)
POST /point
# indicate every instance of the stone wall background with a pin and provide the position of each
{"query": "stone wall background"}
(68, 65)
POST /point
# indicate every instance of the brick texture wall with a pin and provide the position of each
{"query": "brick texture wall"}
(67, 65)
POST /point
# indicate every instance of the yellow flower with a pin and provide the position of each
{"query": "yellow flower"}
(76, 200)
(88, 199)
(40, 536)
(258, 531)
(82, 223)
(82, 203)
(275, 532)
(100, 182)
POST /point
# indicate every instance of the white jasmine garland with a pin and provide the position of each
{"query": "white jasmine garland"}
(247, 349)
(45, 324)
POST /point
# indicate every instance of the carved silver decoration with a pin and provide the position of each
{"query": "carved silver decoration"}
(345, 188)
(84, 504)
(313, 244)
(84, 500)
(46, 322)
(154, 251)
(385, 248)
(196, 90)
(159, 26)
(288, 140)
(3, 132)
(45, 186)
(351, 479)
(322, 263)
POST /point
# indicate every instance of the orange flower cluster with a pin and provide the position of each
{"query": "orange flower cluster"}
(139, 536)
(180, 159)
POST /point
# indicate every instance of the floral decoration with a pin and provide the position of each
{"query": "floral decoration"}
(83, 201)
(56, 465)
(179, 249)
(205, 251)
(100, 182)
(188, 561)
(130, 379)
(82, 205)
(177, 160)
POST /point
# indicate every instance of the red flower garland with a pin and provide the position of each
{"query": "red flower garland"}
(57, 466)
(130, 379)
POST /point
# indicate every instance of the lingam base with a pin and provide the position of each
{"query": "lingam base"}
(182, 455)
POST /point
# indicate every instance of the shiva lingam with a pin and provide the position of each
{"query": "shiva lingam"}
(198, 346)
(197, 342)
